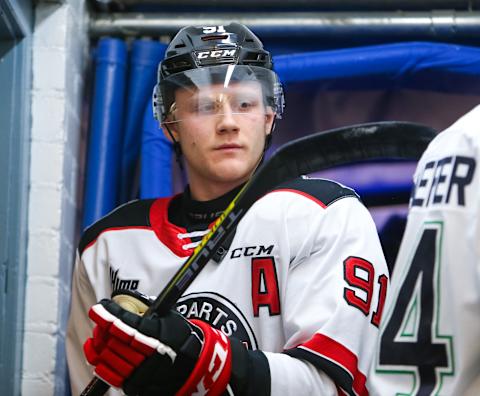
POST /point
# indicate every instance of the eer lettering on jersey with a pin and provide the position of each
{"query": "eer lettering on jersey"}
(443, 181)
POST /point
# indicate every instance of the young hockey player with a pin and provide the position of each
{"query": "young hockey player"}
(292, 308)
(429, 338)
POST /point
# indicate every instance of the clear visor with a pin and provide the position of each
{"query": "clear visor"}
(220, 91)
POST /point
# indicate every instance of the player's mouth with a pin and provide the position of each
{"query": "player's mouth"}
(228, 147)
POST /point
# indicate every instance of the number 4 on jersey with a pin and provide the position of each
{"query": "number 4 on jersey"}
(410, 342)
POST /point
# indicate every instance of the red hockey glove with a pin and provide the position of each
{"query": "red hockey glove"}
(157, 355)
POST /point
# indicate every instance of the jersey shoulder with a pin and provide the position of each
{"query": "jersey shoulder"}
(324, 190)
(461, 137)
(132, 214)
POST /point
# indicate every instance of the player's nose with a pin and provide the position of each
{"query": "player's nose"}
(227, 121)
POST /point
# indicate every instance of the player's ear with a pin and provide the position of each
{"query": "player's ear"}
(170, 131)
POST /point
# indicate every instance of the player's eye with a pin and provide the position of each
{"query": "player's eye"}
(204, 106)
(245, 104)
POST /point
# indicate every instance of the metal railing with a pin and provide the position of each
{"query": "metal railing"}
(418, 25)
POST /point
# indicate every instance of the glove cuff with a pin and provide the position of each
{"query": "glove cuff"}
(211, 373)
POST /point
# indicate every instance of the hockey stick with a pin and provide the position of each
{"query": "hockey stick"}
(302, 156)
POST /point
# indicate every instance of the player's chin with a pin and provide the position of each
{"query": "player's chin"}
(228, 171)
(226, 160)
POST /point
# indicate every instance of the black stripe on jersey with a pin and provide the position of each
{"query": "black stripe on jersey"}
(340, 376)
(326, 191)
(131, 214)
(250, 374)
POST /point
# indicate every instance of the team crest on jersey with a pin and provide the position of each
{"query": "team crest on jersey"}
(119, 283)
(219, 312)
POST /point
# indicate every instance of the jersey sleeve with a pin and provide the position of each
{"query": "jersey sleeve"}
(89, 285)
(79, 328)
(92, 282)
(331, 304)
(293, 376)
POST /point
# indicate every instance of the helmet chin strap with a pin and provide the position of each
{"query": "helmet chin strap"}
(268, 138)
(176, 148)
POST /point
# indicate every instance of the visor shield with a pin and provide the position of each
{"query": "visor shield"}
(220, 90)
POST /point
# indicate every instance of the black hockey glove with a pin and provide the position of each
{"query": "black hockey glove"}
(170, 355)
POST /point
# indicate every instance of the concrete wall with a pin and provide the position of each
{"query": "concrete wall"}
(60, 50)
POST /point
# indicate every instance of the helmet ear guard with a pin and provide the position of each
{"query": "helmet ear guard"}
(157, 103)
(279, 99)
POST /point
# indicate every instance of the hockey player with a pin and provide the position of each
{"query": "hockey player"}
(292, 308)
(429, 336)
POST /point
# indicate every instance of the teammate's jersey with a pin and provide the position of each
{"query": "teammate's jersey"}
(303, 274)
(429, 341)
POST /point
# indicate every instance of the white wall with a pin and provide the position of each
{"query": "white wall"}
(60, 50)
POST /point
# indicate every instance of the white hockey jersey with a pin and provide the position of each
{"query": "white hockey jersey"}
(304, 275)
(429, 341)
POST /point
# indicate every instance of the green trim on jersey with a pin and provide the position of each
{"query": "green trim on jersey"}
(413, 312)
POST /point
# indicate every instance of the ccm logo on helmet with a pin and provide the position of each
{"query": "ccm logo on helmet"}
(215, 54)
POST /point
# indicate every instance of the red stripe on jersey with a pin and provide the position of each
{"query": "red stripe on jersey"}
(306, 195)
(330, 349)
(116, 229)
(166, 231)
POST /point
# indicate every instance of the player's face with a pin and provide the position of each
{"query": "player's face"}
(222, 132)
